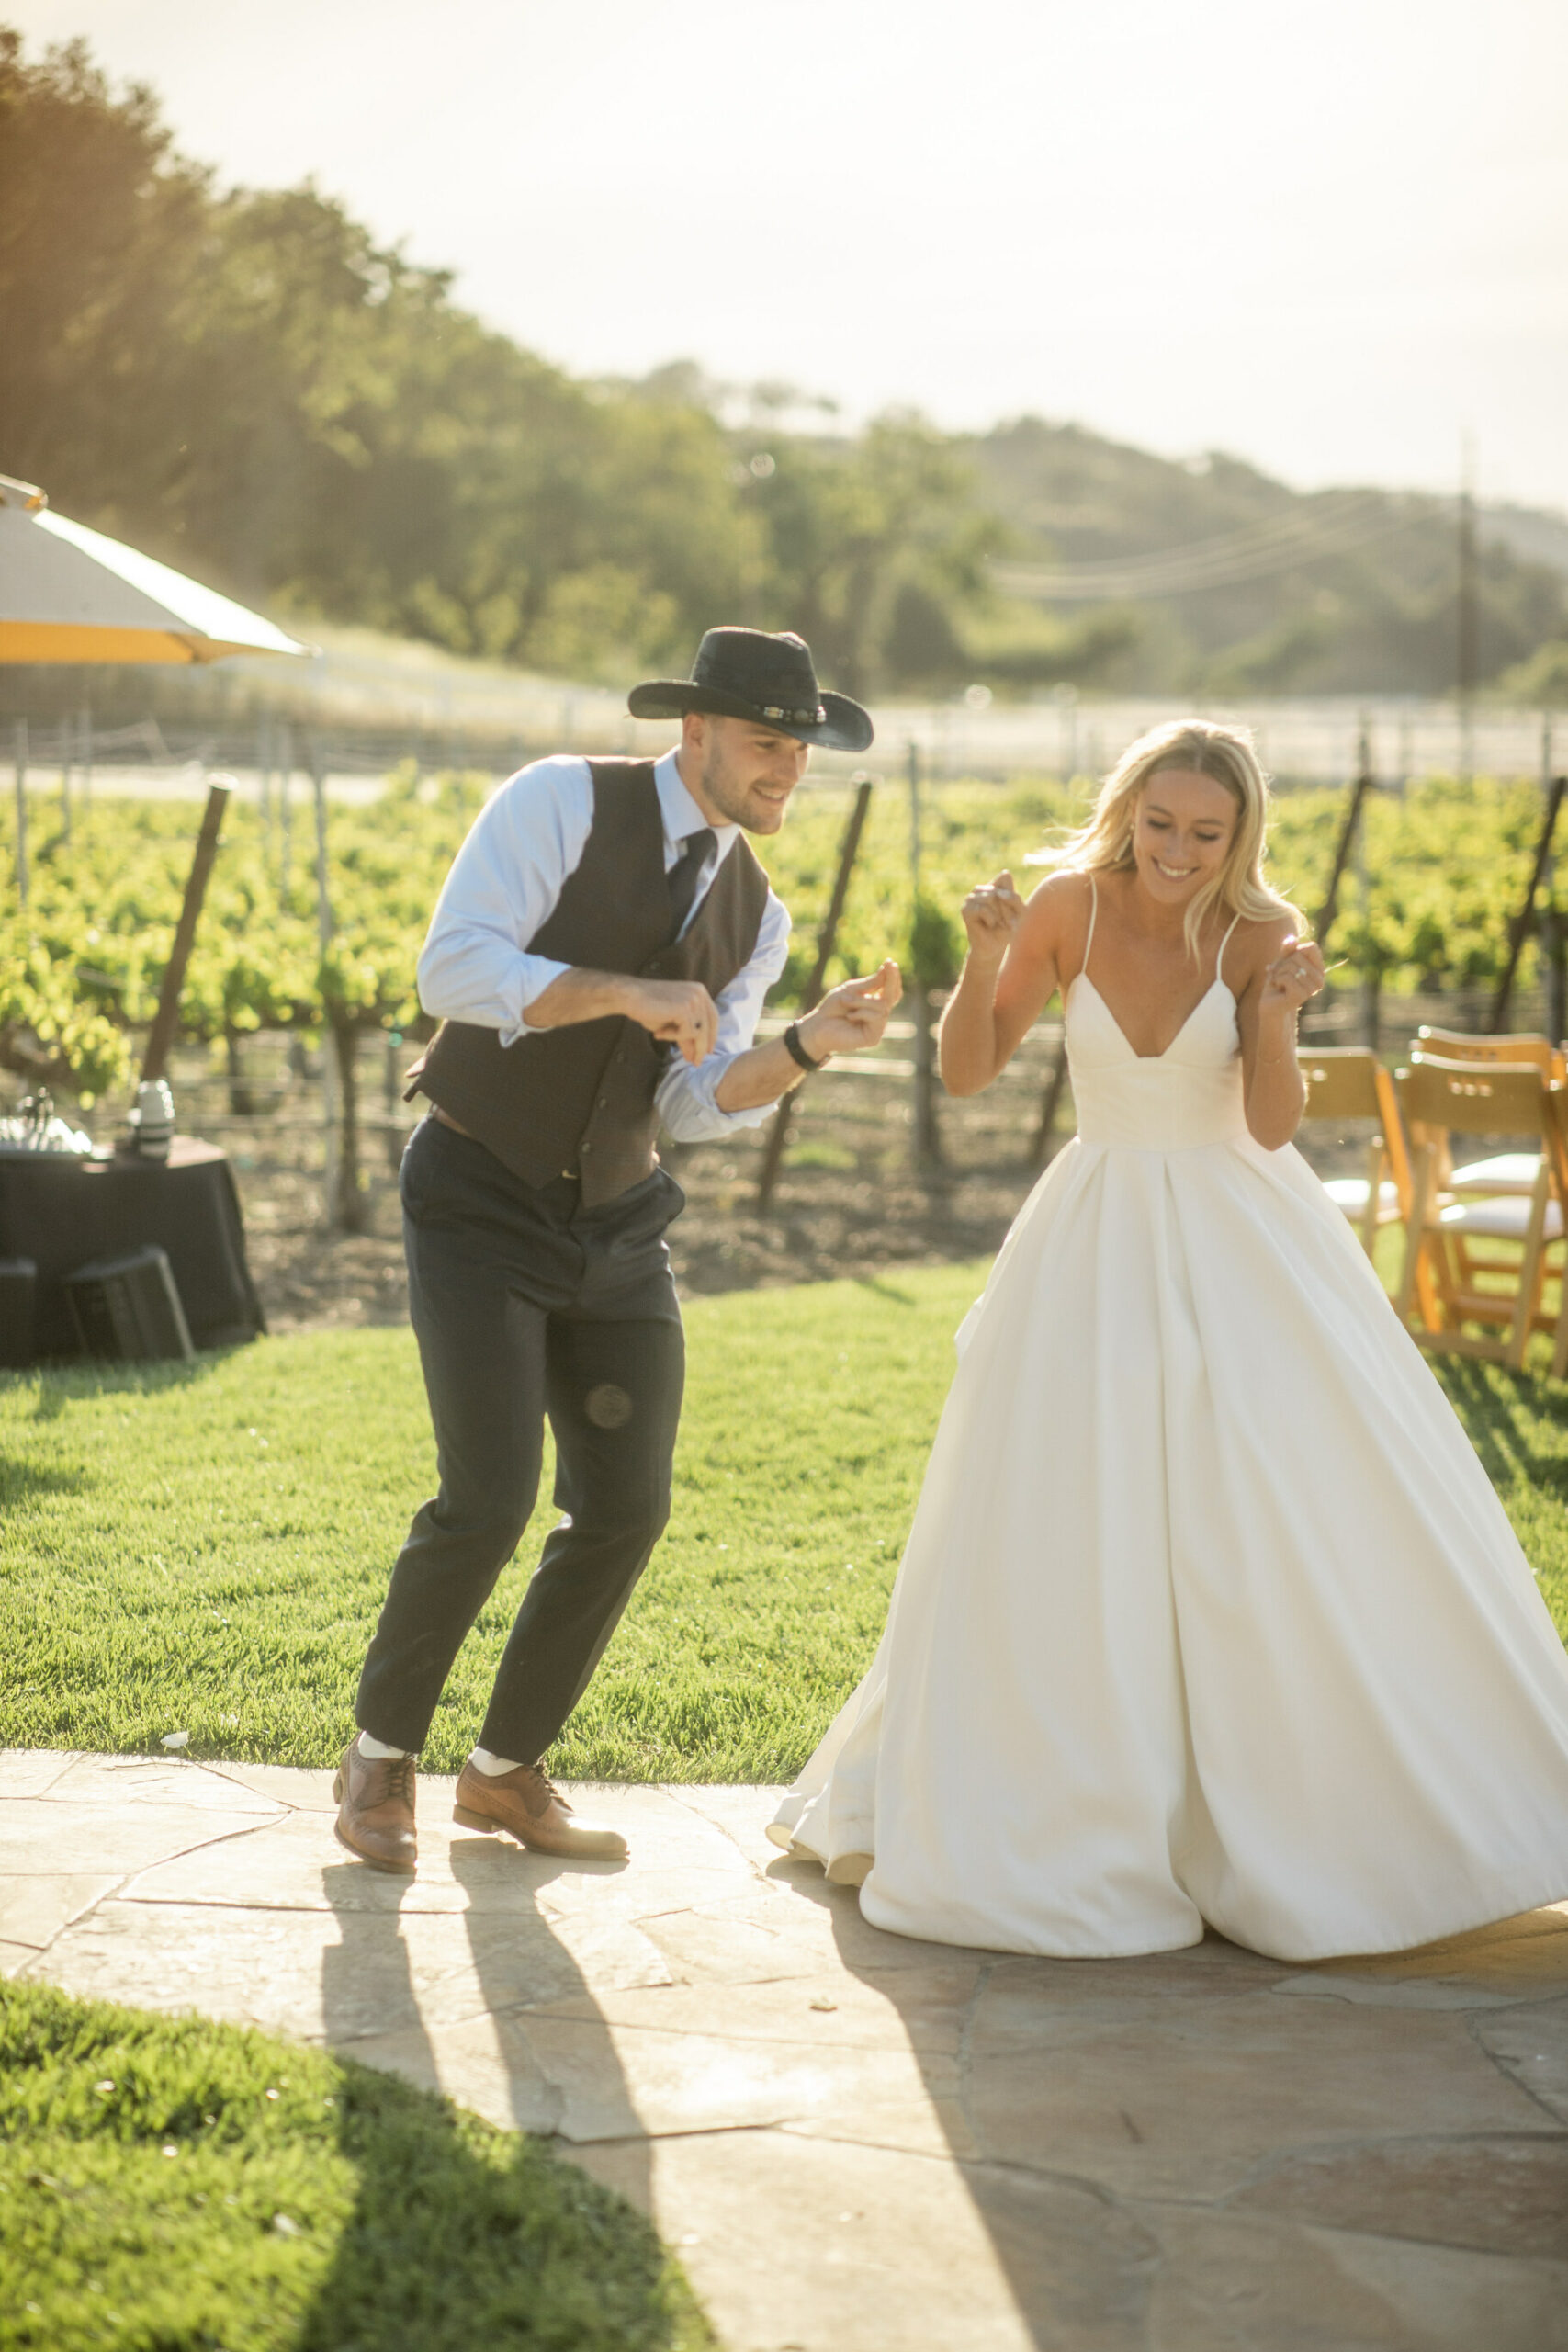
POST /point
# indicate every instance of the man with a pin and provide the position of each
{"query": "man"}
(599, 955)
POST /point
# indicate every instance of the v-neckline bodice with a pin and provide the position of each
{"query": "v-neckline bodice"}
(1217, 982)
(1082, 978)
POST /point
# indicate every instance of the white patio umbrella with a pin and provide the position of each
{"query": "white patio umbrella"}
(69, 595)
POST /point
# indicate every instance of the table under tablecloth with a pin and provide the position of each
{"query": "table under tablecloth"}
(63, 1213)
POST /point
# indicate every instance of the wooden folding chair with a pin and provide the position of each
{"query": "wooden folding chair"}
(1508, 1171)
(1440, 1099)
(1346, 1083)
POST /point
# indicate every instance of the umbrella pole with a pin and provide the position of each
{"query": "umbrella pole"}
(162, 1035)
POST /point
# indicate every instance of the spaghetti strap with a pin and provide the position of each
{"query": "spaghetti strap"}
(1220, 958)
(1088, 935)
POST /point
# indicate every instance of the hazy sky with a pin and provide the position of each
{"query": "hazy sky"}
(1329, 237)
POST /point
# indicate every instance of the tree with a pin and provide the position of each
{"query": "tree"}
(848, 526)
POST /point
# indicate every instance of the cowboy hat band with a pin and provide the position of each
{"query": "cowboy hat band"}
(750, 673)
(796, 717)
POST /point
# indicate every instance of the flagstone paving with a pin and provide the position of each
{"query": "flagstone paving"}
(856, 2143)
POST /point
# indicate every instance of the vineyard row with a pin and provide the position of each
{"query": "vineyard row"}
(314, 918)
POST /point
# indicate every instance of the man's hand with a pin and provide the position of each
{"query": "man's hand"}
(678, 1013)
(853, 1015)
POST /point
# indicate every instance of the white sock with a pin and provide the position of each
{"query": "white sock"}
(375, 1751)
(492, 1766)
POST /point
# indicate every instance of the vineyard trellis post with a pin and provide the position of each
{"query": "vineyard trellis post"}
(926, 1136)
(1554, 955)
(285, 808)
(323, 893)
(166, 1021)
(331, 1156)
(391, 1096)
(1067, 732)
(1553, 929)
(67, 762)
(827, 942)
(1330, 906)
(264, 786)
(1519, 929)
(20, 762)
(1466, 663)
(1050, 1104)
(1371, 970)
(84, 755)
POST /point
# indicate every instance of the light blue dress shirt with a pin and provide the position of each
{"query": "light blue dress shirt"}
(505, 882)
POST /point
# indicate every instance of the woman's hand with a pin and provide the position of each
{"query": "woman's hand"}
(992, 912)
(1295, 975)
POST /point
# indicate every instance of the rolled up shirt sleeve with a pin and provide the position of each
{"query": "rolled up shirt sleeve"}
(685, 1096)
(504, 883)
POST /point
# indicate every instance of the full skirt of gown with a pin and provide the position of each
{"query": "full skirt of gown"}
(1209, 1611)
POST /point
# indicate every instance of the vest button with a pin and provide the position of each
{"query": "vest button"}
(584, 1150)
(604, 1102)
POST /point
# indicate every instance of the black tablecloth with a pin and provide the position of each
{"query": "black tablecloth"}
(62, 1213)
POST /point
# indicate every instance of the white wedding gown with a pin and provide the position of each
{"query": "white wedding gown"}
(1209, 1611)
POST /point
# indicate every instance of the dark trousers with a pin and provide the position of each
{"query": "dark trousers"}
(525, 1304)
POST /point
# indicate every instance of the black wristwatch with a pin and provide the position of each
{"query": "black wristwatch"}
(796, 1051)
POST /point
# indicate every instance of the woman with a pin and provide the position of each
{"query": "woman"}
(1208, 1613)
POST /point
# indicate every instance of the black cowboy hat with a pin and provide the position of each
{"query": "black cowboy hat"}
(747, 674)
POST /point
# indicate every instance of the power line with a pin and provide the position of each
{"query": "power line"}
(1251, 553)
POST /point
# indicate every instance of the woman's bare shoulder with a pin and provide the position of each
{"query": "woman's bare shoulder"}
(1064, 893)
(1259, 939)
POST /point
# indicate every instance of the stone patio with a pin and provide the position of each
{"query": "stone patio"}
(857, 2144)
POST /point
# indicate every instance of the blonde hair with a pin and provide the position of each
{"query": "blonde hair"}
(1226, 753)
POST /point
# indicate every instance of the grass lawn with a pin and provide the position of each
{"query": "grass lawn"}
(205, 1548)
(175, 2186)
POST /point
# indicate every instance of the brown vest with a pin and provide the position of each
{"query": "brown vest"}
(580, 1099)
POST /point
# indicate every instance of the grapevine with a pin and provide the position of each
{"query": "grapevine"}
(1425, 906)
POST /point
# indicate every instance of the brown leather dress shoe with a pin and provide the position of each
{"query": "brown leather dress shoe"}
(535, 1813)
(375, 1815)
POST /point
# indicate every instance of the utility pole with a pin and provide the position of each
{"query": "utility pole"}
(1467, 647)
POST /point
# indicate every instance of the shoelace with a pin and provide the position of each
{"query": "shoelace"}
(400, 1779)
(550, 1791)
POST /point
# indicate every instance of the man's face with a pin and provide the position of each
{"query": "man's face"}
(739, 774)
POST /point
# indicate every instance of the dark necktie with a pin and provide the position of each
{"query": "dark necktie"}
(684, 876)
